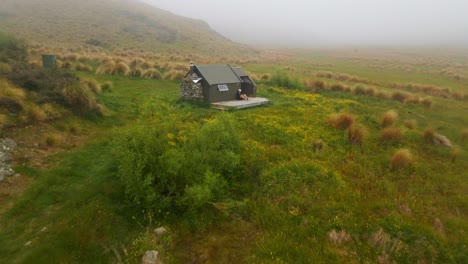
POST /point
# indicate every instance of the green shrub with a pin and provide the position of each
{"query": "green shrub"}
(163, 171)
(282, 79)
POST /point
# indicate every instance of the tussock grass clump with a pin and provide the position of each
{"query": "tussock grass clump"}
(400, 96)
(136, 72)
(174, 75)
(80, 98)
(383, 95)
(121, 68)
(107, 86)
(36, 114)
(427, 102)
(106, 69)
(152, 74)
(389, 118)
(337, 87)
(83, 67)
(391, 134)
(410, 124)
(66, 65)
(370, 91)
(402, 158)
(341, 121)
(356, 134)
(359, 90)
(93, 85)
(52, 139)
(464, 134)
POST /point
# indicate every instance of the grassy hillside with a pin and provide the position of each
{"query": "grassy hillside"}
(109, 24)
(341, 167)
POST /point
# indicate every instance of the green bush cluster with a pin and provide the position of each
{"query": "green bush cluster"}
(168, 164)
(282, 79)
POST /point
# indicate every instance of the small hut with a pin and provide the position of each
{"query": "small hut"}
(215, 83)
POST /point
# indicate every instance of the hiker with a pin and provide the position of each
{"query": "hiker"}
(241, 96)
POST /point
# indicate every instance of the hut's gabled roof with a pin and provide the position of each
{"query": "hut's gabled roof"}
(218, 74)
(240, 72)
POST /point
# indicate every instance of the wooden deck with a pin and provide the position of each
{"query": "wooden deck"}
(239, 104)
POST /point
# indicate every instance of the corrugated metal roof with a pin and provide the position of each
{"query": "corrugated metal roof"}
(240, 72)
(218, 74)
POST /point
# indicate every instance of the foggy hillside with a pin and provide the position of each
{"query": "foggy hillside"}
(108, 23)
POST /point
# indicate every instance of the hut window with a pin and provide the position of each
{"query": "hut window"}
(223, 88)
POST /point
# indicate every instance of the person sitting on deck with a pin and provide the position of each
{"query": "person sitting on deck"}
(241, 96)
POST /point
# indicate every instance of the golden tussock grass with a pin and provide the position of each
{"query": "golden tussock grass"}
(83, 67)
(341, 121)
(136, 72)
(106, 68)
(410, 124)
(389, 118)
(402, 158)
(356, 134)
(121, 68)
(174, 75)
(391, 134)
(152, 74)
(36, 114)
(93, 85)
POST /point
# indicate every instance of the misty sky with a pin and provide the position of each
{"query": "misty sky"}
(341, 22)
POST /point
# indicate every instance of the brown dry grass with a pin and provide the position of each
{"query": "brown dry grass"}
(341, 121)
(93, 85)
(356, 134)
(389, 118)
(391, 134)
(402, 158)
(36, 114)
(411, 124)
(429, 135)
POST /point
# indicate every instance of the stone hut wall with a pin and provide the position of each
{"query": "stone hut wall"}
(190, 90)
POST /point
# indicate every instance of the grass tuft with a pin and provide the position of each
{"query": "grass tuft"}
(389, 118)
(391, 134)
(356, 134)
(341, 121)
(411, 124)
(402, 158)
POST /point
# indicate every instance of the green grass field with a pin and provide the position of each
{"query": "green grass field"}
(297, 201)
